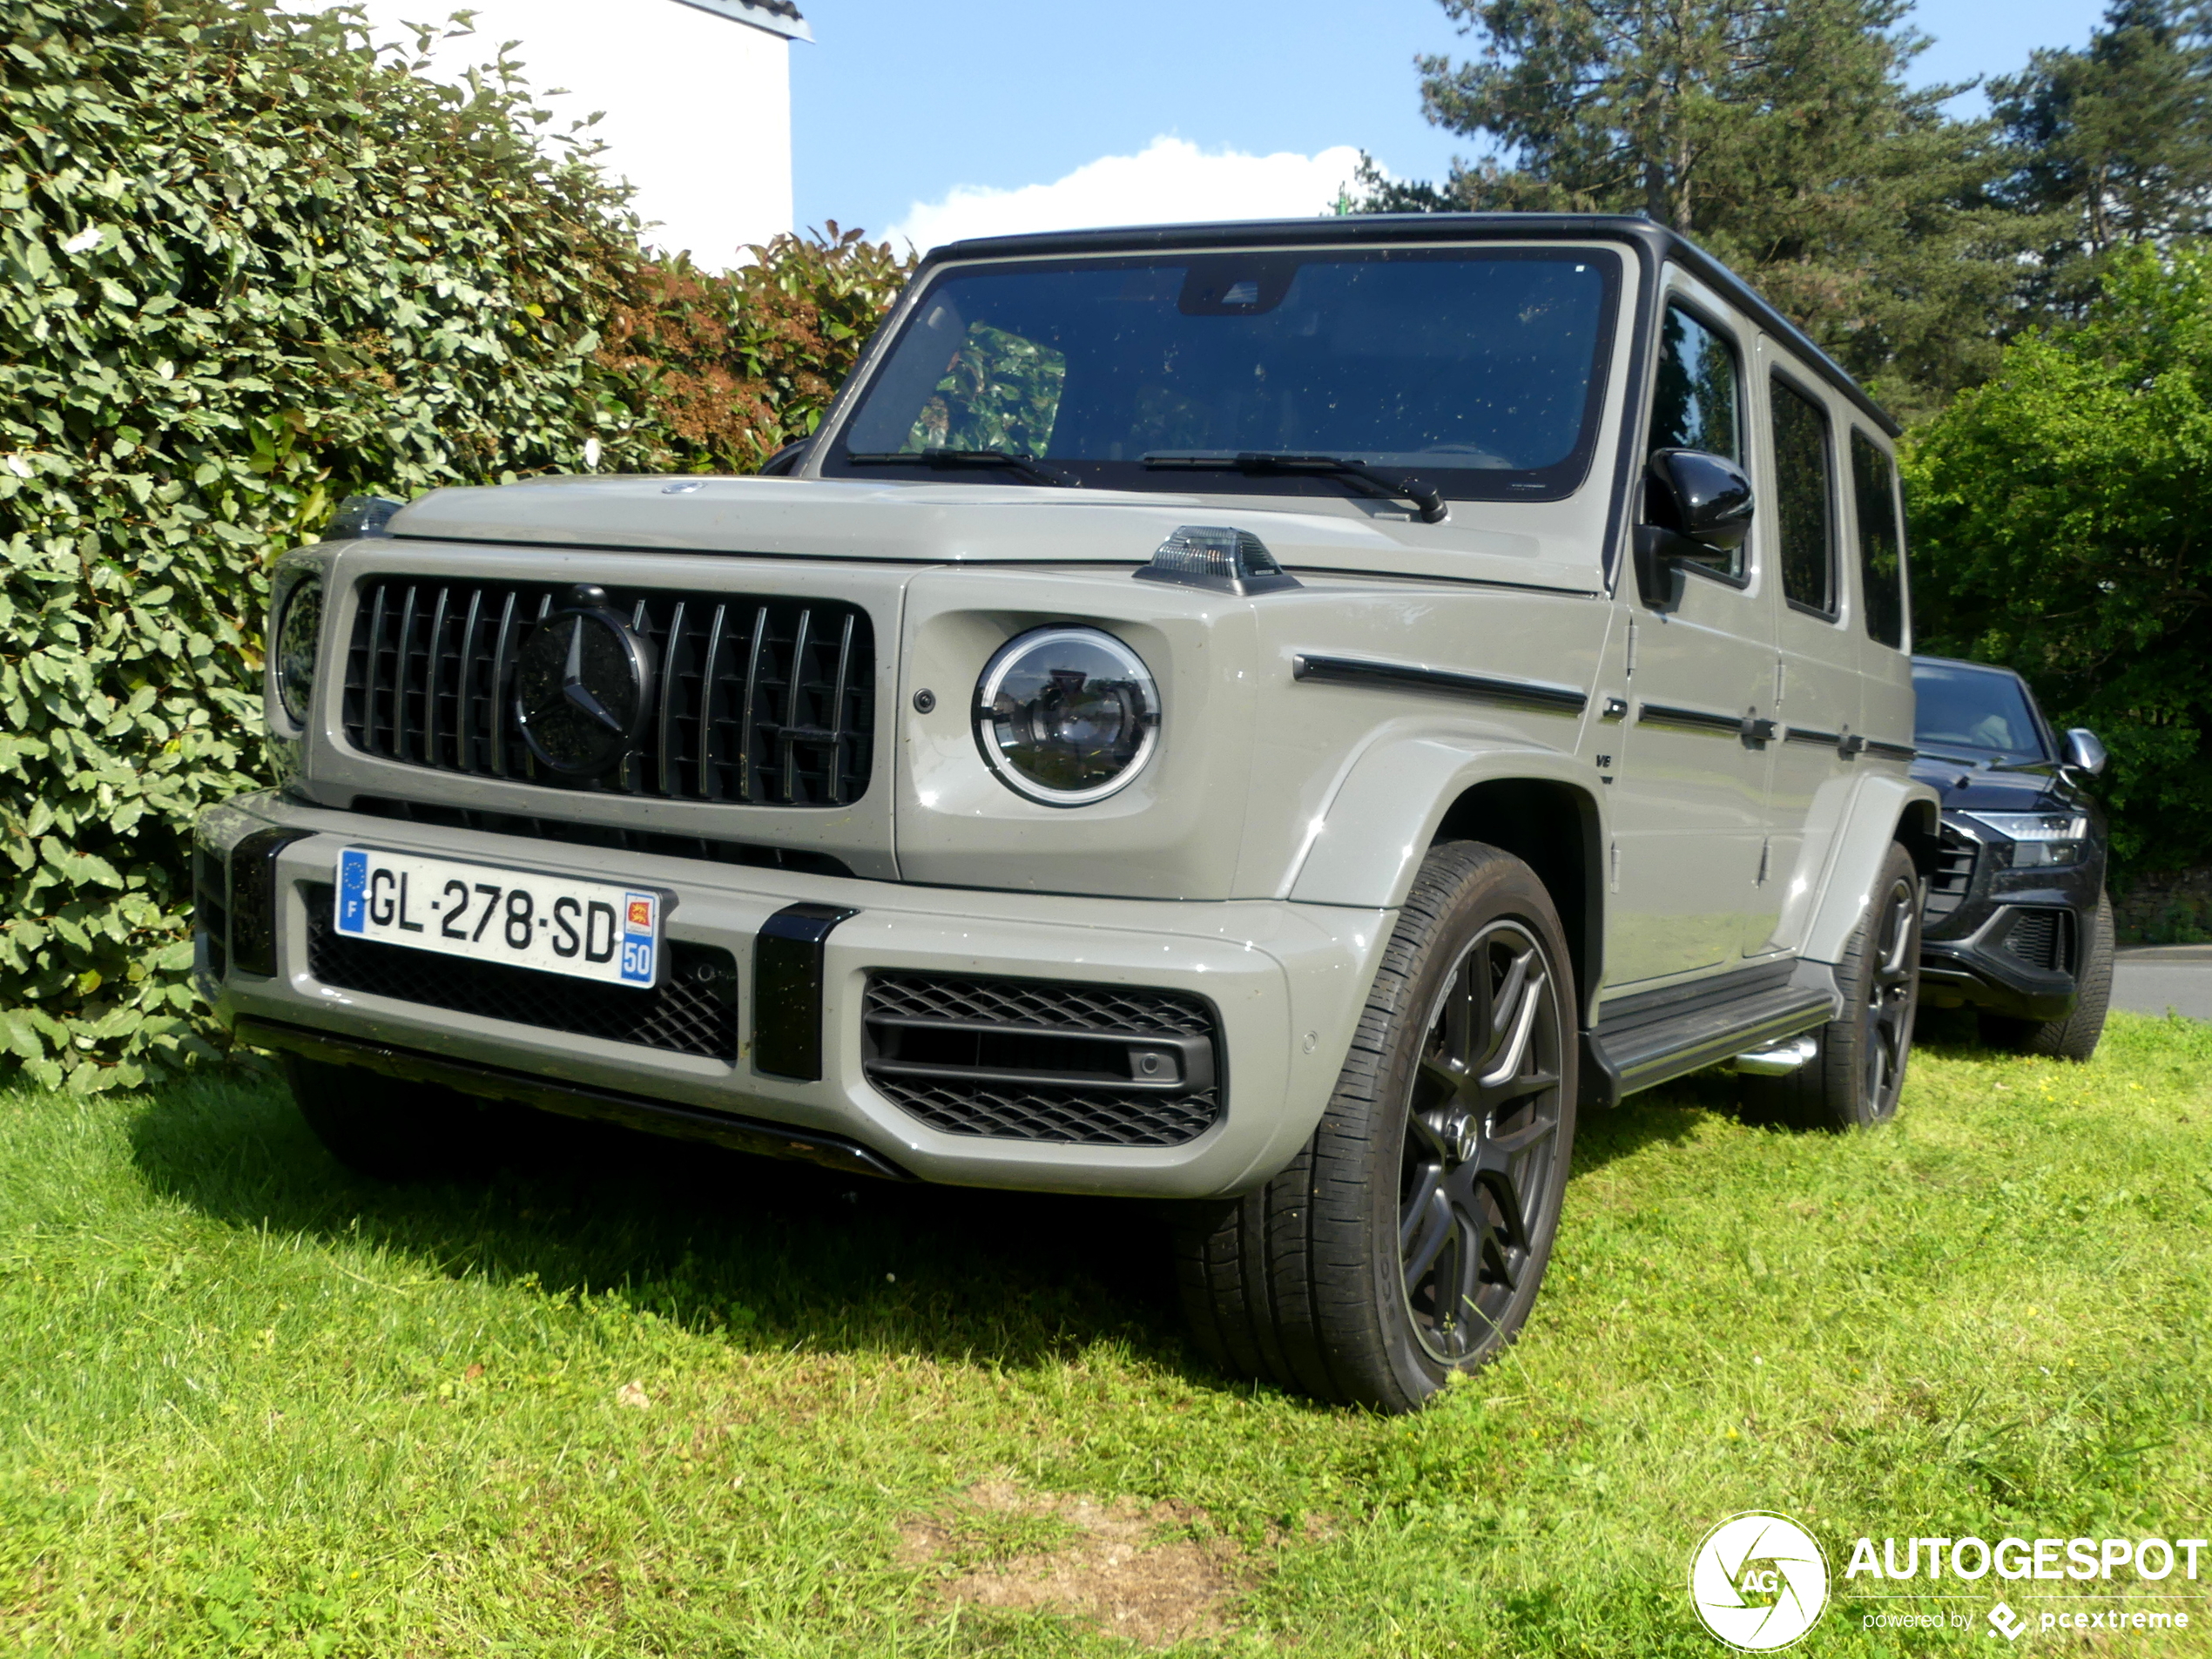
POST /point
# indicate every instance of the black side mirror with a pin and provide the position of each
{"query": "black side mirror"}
(2083, 752)
(1702, 506)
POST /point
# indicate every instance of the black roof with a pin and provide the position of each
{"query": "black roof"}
(1654, 243)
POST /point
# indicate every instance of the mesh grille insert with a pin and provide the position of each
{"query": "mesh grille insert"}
(761, 701)
(2042, 939)
(693, 1010)
(1037, 1059)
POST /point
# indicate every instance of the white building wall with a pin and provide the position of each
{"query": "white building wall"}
(698, 108)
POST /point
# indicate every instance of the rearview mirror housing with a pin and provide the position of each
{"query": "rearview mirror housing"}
(2084, 751)
(1703, 503)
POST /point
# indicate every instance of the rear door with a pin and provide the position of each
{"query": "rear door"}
(1818, 645)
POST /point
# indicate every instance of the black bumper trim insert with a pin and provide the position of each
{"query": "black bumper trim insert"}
(787, 990)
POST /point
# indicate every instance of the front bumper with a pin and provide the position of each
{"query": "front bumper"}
(1287, 981)
(2004, 940)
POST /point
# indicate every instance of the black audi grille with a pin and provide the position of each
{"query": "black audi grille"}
(760, 701)
(1033, 1060)
(1953, 874)
(693, 1010)
(2042, 939)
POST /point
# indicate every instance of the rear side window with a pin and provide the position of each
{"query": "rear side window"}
(1696, 405)
(1805, 522)
(1881, 550)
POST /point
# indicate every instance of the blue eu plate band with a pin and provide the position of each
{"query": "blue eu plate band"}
(787, 990)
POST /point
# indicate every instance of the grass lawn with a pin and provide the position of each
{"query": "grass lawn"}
(637, 1398)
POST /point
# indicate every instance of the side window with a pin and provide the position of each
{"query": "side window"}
(1696, 405)
(1881, 550)
(1803, 522)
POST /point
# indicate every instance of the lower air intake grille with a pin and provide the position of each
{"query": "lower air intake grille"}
(2042, 939)
(1035, 1059)
(693, 1010)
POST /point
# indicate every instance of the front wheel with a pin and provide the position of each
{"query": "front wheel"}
(1858, 1068)
(1406, 1240)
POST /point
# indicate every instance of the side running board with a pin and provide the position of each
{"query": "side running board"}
(1652, 1037)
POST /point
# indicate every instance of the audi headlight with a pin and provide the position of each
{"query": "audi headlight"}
(1066, 716)
(2038, 838)
(293, 643)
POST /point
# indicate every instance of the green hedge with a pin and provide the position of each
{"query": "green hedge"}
(252, 268)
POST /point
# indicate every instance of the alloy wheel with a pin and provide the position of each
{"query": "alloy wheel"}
(1482, 1133)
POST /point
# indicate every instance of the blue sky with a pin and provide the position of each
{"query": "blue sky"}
(901, 103)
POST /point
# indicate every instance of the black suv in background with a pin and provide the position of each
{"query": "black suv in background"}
(2017, 924)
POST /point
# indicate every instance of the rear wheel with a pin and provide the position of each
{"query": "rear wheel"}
(1858, 1068)
(2076, 1037)
(1407, 1240)
(394, 1131)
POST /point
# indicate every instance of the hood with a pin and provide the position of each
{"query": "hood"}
(1967, 788)
(1519, 544)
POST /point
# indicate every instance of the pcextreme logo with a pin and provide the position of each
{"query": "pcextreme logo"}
(1759, 1582)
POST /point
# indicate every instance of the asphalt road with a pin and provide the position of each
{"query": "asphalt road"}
(2151, 979)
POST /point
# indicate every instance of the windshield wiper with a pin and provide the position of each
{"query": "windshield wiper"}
(1262, 463)
(956, 460)
(2003, 763)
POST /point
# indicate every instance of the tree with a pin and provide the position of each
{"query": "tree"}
(2060, 515)
(2114, 144)
(1778, 133)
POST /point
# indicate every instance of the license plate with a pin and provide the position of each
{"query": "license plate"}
(584, 929)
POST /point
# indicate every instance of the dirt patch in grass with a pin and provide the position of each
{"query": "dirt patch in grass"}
(1131, 1569)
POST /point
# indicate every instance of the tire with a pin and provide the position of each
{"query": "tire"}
(1427, 1158)
(2076, 1037)
(392, 1131)
(1858, 1068)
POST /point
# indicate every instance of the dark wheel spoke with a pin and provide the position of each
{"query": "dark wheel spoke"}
(1508, 1143)
(1417, 1207)
(1439, 1228)
(1497, 1101)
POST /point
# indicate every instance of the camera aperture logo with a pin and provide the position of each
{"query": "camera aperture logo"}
(1759, 1581)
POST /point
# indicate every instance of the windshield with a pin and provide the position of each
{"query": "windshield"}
(1979, 711)
(1480, 371)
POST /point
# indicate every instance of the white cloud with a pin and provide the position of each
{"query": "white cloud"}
(1171, 182)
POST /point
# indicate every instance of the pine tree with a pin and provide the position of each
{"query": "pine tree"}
(2114, 144)
(1777, 133)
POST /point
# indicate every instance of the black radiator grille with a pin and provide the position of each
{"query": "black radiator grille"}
(2042, 939)
(760, 701)
(693, 1010)
(1953, 874)
(1037, 1059)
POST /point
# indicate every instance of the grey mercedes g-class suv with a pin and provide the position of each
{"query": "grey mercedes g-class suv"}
(1278, 717)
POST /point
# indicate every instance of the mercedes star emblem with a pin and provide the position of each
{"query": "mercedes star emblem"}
(584, 684)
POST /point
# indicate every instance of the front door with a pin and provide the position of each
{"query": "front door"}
(1690, 796)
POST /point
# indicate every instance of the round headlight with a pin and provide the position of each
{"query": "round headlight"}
(1067, 716)
(298, 628)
